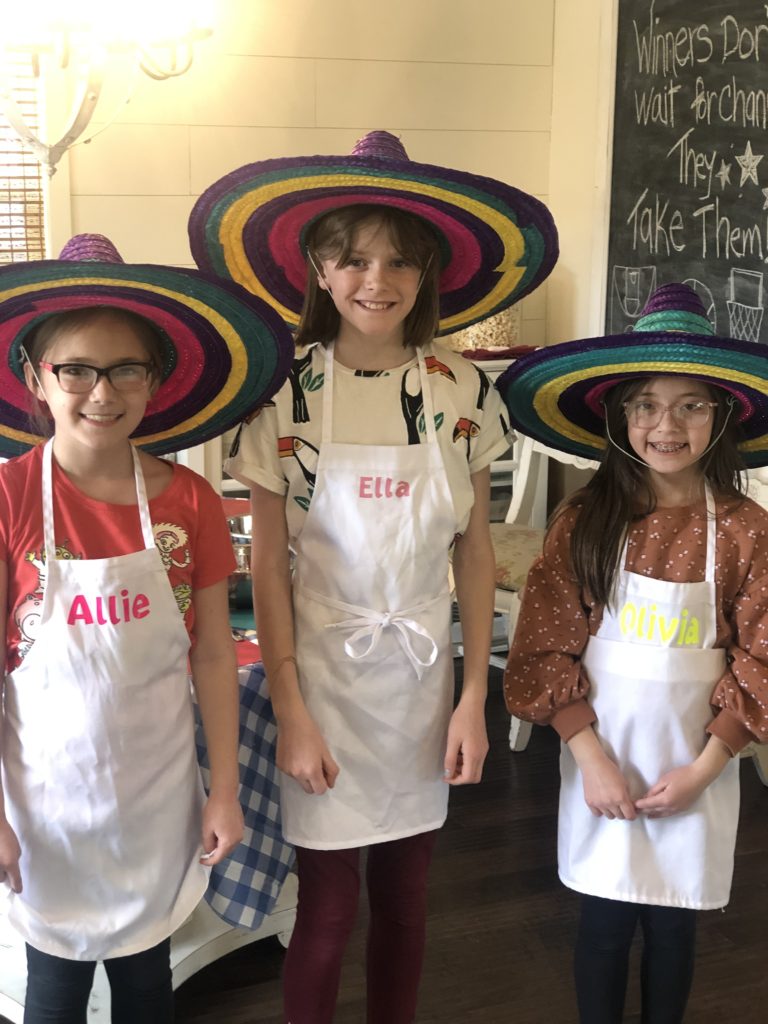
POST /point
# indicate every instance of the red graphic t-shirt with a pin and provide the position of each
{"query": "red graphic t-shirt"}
(188, 522)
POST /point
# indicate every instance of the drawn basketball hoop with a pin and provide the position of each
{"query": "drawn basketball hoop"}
(631, 287)
(745, 304)
(707, 299)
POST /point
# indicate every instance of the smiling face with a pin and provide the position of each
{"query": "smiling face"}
(672, 448)
(374, 288)
(102, 419)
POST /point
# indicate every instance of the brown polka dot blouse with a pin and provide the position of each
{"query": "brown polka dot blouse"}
(544, 681)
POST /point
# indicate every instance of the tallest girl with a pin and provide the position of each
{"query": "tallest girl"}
(371, 462)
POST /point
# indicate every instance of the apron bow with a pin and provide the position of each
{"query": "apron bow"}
(370, 627)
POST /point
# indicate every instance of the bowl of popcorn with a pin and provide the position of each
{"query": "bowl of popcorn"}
(501, 331)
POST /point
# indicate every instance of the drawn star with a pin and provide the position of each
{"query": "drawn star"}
(748, 163)
(765, 198)
(724, 174)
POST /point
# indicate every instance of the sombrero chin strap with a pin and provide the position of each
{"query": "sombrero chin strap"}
(26, 358)
(320, 275)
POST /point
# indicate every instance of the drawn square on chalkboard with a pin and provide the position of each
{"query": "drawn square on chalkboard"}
(746, 287)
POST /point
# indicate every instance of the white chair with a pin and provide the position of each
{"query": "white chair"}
(517, 541)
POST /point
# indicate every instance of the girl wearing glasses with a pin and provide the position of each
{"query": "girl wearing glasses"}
(641, 637)
(105, 832)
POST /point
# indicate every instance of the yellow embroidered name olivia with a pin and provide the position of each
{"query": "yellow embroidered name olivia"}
(646, 623)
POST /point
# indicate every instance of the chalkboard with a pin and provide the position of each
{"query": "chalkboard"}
(689, 179)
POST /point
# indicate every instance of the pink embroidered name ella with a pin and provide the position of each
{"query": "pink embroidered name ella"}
(383, 487)
(113, 608)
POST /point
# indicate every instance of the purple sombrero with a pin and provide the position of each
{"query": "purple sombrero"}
(498, 243)
(226, 350)
(555, 394)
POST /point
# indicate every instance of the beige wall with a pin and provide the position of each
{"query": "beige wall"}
(582, 102)
(464, 82)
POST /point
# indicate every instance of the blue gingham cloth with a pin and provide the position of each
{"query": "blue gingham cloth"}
(243, 888)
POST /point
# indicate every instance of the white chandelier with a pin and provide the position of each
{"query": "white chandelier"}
(83, 39)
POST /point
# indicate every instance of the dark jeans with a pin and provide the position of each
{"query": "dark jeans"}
(58, 989)
(606, 930)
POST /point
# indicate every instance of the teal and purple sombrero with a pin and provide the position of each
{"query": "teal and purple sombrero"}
(555, 394)
(497, 242)
(226, 351)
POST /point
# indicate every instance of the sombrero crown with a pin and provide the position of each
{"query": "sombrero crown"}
(497, 242)
(226, 351)
(555, 394)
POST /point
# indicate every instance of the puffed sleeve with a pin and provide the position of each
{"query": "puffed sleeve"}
(495, 435)
(254, 456)
(742, 692)
(544, 681)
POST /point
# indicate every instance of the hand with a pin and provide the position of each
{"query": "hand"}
(10, 852)
(605, 790)
(222, 828)
(679, 788)
(675, 791)
(303, 754)
(467, 744)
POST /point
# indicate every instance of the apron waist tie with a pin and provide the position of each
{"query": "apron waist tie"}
(369, 625)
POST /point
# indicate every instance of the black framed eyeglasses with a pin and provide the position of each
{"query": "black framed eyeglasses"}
(80, 378)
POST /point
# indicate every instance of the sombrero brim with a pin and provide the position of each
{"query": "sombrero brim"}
(228, 352)
(498, 243)
(554, 394)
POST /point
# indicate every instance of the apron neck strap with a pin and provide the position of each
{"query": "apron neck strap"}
(709, 574)
(426, 397)
(49, 535)
(327, 426)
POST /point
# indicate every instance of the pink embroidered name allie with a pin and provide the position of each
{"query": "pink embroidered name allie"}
(383, 487)
(111, 609)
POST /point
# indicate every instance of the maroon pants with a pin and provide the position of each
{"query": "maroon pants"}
(329, 883)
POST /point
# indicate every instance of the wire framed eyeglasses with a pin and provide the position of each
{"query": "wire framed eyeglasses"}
(647, 414)
(80, 378)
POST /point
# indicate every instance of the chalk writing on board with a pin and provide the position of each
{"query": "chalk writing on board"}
(689, 185)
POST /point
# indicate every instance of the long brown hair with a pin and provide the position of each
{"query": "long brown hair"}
(333, 237)
(621, 493)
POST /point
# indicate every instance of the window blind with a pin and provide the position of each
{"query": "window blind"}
(22, 228)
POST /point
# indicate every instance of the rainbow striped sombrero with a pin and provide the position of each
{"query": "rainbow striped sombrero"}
(498, 243)
(555, 394)
(226, 353)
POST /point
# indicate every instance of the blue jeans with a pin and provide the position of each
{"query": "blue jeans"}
(58, 989)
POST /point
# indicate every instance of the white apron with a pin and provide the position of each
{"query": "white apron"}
(372, 614)
(101, 778)
(652, 669)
